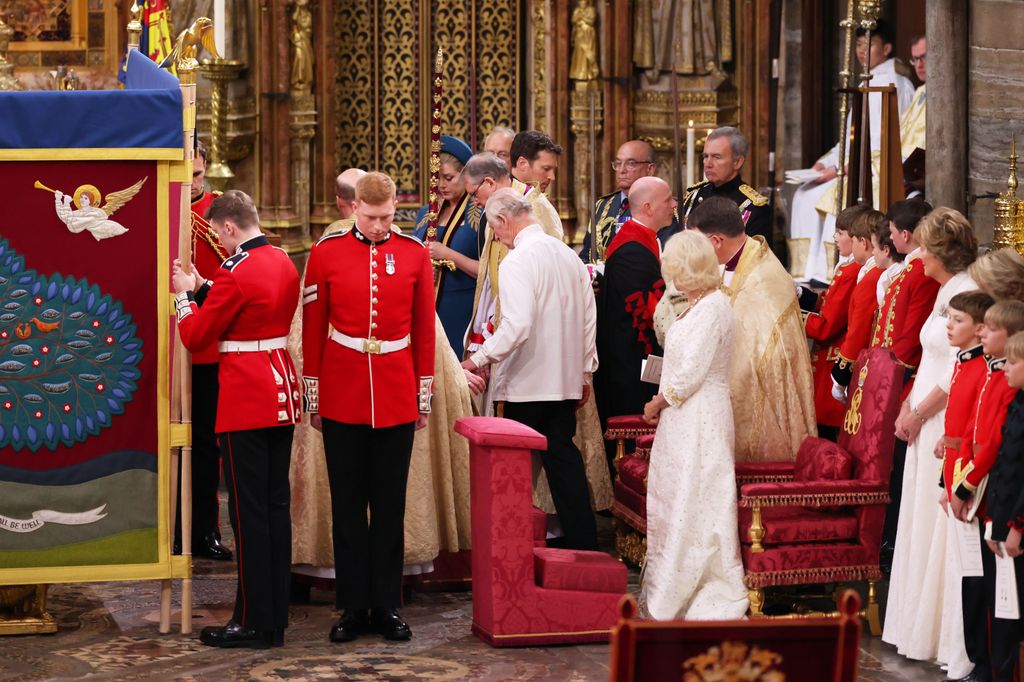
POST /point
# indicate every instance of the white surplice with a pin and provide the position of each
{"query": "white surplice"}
(924, 614)
(693, 567)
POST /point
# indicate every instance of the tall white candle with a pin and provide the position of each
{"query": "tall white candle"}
(220, 22)
(691, 154)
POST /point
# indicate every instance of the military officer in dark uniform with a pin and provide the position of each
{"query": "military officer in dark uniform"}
(368, 349)
(725, 152)
(247, 309)
(633, 160)
(207, 255)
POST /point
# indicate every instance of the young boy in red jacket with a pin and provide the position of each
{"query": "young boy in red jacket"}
(1005, 502)
(966, 320)
(978, 450)
(827, 317)
(863, 305)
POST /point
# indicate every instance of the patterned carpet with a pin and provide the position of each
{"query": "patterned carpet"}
(108, 631)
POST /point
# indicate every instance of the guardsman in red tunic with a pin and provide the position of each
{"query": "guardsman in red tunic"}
(368, 349)
(207, 255)
(247, 309)
(828, 317)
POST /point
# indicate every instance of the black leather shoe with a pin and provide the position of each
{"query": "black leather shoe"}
(274, 637)
(351, 624)
(387, 622)
(210, 548)
(233, 635)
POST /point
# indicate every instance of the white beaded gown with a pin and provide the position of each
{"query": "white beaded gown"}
(923, 617)
(693, 569)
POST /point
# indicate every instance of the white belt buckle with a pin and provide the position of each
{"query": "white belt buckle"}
(371, 346)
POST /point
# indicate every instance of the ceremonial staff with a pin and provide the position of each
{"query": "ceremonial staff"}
(434, 196)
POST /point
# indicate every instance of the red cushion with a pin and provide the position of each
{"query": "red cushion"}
(571, 569)
(795, 525)
(645, 442)
(633, 472)
(809, 564)
(822, 460)
(540, 525)
(630, 506)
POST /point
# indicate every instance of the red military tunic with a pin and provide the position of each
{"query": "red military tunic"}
(861, 320)
(207, 255)
(981, 443)
(252, 298)
(827, 328)
(907, 305)
(969, 376)
(378, 292)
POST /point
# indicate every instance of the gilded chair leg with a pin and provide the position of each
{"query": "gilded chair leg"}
(756, 530)
(756, 597)
(620, 452)
(874, 619)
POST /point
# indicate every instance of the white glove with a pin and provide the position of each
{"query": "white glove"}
(838, 392)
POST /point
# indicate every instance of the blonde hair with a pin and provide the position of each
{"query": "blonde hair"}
(375, 188)
(1000, 273)
(690, 263)
(1008, 315)
(948, 236)
(1015, 346)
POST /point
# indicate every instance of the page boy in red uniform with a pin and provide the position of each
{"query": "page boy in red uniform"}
(966, 313)
(1005, 503)
(978, 449)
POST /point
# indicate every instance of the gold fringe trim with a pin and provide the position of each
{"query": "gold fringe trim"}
(815, 500)
(742, 479)
(804, 576)
(615, 434)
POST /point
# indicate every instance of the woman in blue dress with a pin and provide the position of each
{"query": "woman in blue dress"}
(457, 223)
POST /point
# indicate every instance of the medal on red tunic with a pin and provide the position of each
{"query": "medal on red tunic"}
(389, 263)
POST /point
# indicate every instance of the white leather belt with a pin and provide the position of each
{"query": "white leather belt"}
(371, 345)
(252, 346)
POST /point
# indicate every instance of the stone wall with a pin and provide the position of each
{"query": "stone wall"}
(995, 103)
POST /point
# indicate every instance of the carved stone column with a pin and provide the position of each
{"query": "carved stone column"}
(325, 166)
(302, 117)
(277, 210)
(946, 164)
(586, 111)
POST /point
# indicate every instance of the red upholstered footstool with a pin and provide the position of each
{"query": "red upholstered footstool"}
(525, 595)
(573, 569)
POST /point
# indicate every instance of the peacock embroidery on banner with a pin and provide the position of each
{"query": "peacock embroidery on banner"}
(69, 357)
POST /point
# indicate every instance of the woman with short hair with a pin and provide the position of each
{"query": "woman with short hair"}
(693, 568)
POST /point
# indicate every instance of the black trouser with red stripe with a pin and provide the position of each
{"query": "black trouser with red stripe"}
(205, 456)
(256, 475)
(368, 468)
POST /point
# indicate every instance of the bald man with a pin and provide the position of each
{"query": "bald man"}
(345, 198)
(633, 160)
(627, 299)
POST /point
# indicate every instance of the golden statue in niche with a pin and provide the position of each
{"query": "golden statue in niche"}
(583, 66)
(302, 48)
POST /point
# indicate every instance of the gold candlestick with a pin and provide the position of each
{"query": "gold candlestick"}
(219, 72)
(7, 79)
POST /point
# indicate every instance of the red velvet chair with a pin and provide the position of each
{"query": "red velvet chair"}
(630, 487)
(526, 595)
(825, 525)
(822, 649)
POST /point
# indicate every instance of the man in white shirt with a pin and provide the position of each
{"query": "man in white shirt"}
(544, 351)
(812, 218)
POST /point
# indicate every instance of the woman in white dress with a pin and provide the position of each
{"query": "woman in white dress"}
(924, 613)
(693, 568)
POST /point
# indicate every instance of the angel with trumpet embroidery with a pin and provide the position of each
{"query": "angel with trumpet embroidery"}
(89, 215)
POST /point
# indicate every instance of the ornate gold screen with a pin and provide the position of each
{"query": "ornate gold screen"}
(385, 50)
